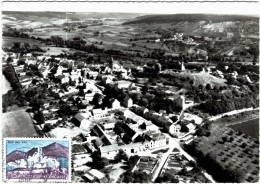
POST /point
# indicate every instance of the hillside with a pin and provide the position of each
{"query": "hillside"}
(152, 19)
(206, 25)
(15, 155)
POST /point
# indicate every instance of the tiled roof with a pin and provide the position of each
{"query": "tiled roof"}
(98, 142)
(79, 117)
(109, 148)
(96, 111)
(76, 148)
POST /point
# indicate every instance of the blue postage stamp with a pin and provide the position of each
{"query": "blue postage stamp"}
(37, 160)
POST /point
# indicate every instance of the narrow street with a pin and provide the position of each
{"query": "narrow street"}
(174, 144)
(190, 158)
(164, 158)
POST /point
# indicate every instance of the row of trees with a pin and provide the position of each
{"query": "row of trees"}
(14, 96)
(100, 163)
(156, 101)
(15, 33)
(214, 107)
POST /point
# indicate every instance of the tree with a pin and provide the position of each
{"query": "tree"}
(174, 179)
(191, 82)
(132, 161)
(98, 162)
(39, 117)
(201, 131)
(140, 177)
(96, 33)
(200, 87)
(143, 126)
(47, 127)
(144, 102)
(196, 99)
(184, 128)
(36, 104)
(121, 155)
(9, 60)
(145, 87)
(128, 177)
(184, 171)
(208, 87)
(16, 45)
(97, 99)
(118, 129)
(174, 118)
(122, 117)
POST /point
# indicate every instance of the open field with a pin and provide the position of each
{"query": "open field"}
(45, 26)
(58, 50)
(247, 122)
(17, 124)
(250, 127)
(202, 78)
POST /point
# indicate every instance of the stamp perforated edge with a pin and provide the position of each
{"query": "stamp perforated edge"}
(4, 179)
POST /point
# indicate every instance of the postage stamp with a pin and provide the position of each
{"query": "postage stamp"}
(37, 160)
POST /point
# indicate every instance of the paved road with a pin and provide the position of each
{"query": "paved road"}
(17, 124)
(212, 118)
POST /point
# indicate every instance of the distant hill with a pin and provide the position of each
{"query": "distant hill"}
(78, 15)
(152, 19)
(16, 155)
(55, 150)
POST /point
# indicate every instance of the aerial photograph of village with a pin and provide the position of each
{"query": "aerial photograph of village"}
(144, 98)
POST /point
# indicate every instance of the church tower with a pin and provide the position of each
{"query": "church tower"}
(39, 154)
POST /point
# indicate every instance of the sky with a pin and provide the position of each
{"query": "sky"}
(241, 8)
(26, 145)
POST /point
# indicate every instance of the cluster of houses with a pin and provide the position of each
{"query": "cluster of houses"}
(180, 38)
(139, 132)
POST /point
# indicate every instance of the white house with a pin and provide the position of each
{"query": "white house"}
(174, 129)
(89, 96)
(191, 127)
(128, 102)
(154, 140)
(124, 84)
(93, 174)
(115, 104)
(98, 113)
(80, 121)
